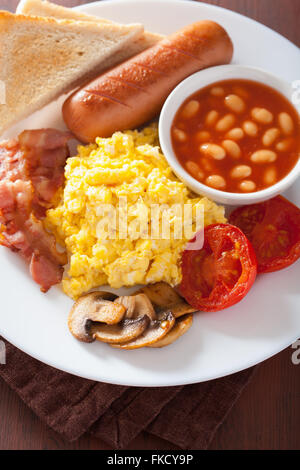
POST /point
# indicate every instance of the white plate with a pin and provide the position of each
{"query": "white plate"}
(218, 344)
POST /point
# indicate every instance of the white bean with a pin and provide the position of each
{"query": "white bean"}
(235, 103)
(284, 145)
(232, 148)
(235, 134)
(241, 172)
(250, 128)
(224, 124)
(263, 156)
(203, 136)
(217, 91)
(262, 115)
(190, 109)
(207, 164)
(211, 118)
(216, 181)
(213, 150)
(194, 169)
(270, 136)
(179, 135)
(286, 123)
(270, 176)
(247, 186)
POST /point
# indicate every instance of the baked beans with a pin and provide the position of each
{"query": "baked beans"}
(237, 136)
(203, 136)
(262, 115)
(270, 176)
(263, 156)
(216, 181)
(232, 148)
(211, 118)
(235, 103)
(190, 109)
(284, 145)
(270, 136)
(179, 135)
(241, 172)
(207, 165)
(250, 128)
(247, 186)
(286, 123)
(194, 170)
(217, 91)
(215, 151)
(226, 123)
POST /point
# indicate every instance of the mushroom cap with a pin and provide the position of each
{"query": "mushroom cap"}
(126, 330)
(155, 332)
(182, 325)
(93, 307)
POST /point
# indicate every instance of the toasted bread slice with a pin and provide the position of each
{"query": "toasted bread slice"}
(42, 58)
(51, 10)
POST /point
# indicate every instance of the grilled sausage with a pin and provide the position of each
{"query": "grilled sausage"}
(134, 92)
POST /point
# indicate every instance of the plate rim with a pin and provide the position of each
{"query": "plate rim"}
(195, 3)
(275, 350)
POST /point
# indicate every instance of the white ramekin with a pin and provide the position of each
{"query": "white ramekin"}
(196, 82)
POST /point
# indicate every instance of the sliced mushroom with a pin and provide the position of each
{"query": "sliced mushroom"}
(145, 318)
(128, 302)
(143, 306)
(155, 332)
(161, 294)
(93, 307)
(137, 306)
(164, 296)
(181, 326)
(182, 308)
(98, 295)
(126, 330)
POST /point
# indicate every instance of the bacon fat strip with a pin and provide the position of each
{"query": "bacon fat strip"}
(134, 92)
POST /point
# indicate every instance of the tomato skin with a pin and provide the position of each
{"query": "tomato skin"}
(221, 295)
(273, 227)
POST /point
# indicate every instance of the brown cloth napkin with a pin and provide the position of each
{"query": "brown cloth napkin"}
(188, 416)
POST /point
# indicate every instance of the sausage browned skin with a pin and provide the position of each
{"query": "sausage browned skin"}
(134, 92)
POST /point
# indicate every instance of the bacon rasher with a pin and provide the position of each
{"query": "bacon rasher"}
(31, 172)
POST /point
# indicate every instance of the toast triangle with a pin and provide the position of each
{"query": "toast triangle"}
(42, 58)
(51, 10)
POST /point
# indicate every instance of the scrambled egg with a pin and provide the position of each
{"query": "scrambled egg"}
(127, 165)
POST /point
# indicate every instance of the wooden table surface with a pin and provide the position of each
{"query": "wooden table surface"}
(267, 416)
